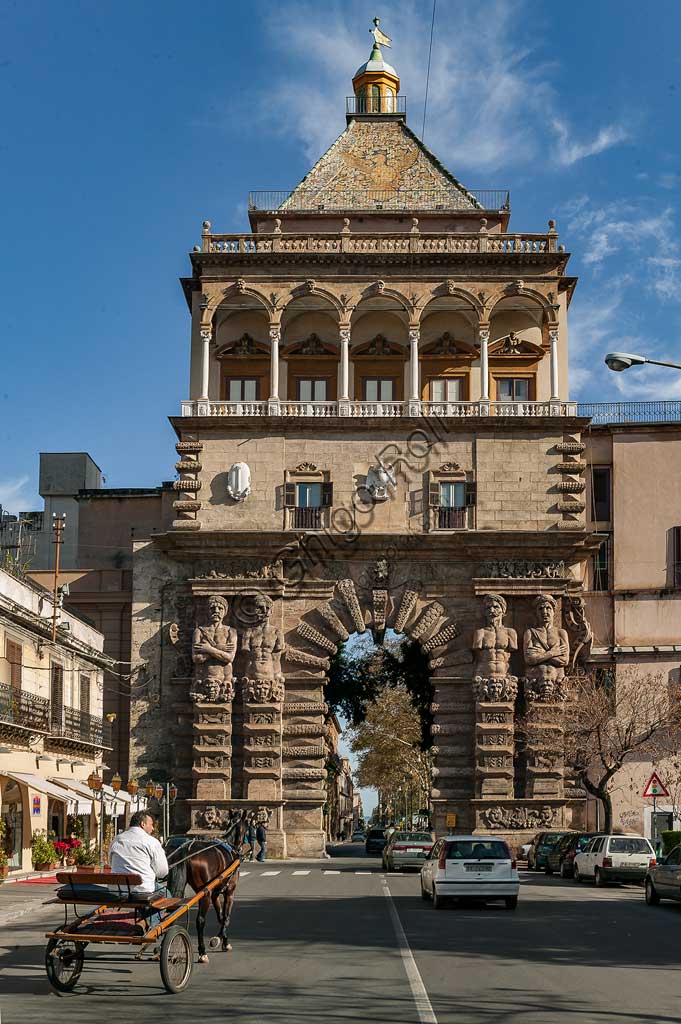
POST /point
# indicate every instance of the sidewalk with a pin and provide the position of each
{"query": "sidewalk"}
(18, 900)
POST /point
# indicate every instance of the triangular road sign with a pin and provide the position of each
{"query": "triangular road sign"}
(655, 786)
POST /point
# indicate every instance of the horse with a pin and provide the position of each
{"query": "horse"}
(199, 861)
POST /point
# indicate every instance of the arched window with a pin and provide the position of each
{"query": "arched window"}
(375, 99)
(362, 99)
(389, 100)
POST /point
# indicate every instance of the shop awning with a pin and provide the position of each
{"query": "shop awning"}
(114, 803)
(49, 789)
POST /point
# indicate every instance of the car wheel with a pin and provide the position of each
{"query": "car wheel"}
(598, 878)
(511, 902)
(576, 875)
(438, 901)
(652, 898)
(563, 870)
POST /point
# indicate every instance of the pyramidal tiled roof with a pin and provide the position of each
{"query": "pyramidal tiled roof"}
(379, 161)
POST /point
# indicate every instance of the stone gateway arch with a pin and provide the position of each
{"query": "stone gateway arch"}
(378, 435)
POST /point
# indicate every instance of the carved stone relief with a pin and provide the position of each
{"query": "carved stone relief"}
(499, 816)
(546, 650)
(213, 651)
(263, 645)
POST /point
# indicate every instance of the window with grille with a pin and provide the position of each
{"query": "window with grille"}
(13, 653)
(600, 488)
(601, 566)
(307, 501)
(242, 389)
(513, 389)
(450, 501)
(446, 389)
(379, 389)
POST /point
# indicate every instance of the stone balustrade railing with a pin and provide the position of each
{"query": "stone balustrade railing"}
(414, 241)
(302, 410)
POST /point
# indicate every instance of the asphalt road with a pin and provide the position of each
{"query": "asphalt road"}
(340, 941)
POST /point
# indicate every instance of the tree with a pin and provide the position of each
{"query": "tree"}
(356, 680)
(388, 746)
(612, 719)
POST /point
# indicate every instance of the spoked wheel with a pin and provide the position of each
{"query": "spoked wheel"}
(176, 959)
(63, 962)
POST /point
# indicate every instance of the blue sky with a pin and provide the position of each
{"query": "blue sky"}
(126, 124)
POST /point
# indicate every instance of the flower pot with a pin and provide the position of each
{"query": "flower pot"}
(4, 870)
(41, 867)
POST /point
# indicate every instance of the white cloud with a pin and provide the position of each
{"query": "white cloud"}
(489, 101)
(15, 495)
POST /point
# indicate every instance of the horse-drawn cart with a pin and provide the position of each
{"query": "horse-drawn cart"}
(119, 916)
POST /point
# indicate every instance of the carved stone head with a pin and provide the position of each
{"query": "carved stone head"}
(494, 606)
(545, 609)
(217, 609)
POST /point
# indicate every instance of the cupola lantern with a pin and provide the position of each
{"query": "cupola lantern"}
(376, 83)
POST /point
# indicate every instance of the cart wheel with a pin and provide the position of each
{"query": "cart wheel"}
(63, 962)
(214, 942)
(176, 959)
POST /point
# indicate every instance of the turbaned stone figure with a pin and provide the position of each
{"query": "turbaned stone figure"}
(263, 645)
(547, 653)
(493, 644)
(213, 651)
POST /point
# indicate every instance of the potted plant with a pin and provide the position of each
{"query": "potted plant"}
(4, 863)
(71, 852)
(43, 853)
(85, 857)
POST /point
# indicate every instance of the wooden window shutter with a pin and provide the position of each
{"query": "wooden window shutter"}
(14, 653)
(327, 494)
(84, 693)
(289, 495)
(57, 696)
(470, 492)
(677, 555)
(433, 493)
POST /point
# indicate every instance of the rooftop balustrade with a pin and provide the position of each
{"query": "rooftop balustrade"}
(356, 200)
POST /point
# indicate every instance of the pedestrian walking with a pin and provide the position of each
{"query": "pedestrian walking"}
(249, 837)
(261, 836)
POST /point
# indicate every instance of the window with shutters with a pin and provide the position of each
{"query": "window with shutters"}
(242, 389)
(84, 687)
(676, 556)
(513, 389)
(13, 653)
(307, 500)
(451, 501)
(313, 389)
(378, 389)
(600, 566)
(446, 389)
(56, 697)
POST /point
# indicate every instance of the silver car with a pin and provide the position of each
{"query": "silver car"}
(663, 881)
(407, 850)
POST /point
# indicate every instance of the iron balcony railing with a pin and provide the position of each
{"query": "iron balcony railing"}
(631, 412)
(72, 724)
(376, 104)
(451, 518)
(306, 518)
(23, 709)
(303, 200)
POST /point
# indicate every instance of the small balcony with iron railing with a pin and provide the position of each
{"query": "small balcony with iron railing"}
(306, 518)
(22, 712)
(452, 518)
(73, 727)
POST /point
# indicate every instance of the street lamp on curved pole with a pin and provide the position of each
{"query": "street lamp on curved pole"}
(619, 361)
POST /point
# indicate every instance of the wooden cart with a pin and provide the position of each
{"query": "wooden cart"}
(119, 916)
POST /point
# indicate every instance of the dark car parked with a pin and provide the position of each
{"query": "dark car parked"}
(542, 843)
(376, 841)
(561, 857)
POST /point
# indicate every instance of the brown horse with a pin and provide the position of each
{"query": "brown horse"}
(199, 861)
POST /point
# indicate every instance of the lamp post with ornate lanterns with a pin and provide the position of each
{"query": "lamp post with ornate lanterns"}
(96, 787)
(116, 783)
(166, 796)
(132, 788)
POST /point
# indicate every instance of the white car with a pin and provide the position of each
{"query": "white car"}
(470, 866)
(614, 858)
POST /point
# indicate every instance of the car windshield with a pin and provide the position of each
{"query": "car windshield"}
(413, 837)
(551, 838)
(583, 842)
(478, 849)
(376, 833)
(629, 845)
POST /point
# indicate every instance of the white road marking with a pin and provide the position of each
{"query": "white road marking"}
(301, 872)
(244, 873)
(265, 874)
(331, 872)
(364, 872)
(424, 1008)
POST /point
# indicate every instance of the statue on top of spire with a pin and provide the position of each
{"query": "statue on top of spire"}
(380, 38)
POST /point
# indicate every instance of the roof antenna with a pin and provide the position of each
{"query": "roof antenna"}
(430, 50)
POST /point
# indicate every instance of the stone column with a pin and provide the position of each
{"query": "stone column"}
(206, 334)
(484, 364)
(414, 397)
(275, 337)
(553, 339)
(494, 707)
(344, 397)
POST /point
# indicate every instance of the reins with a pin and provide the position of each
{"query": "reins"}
(190, 842)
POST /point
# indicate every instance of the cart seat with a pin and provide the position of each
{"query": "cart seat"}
(101, 887)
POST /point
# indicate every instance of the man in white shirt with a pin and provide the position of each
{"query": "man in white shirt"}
(137, 851)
